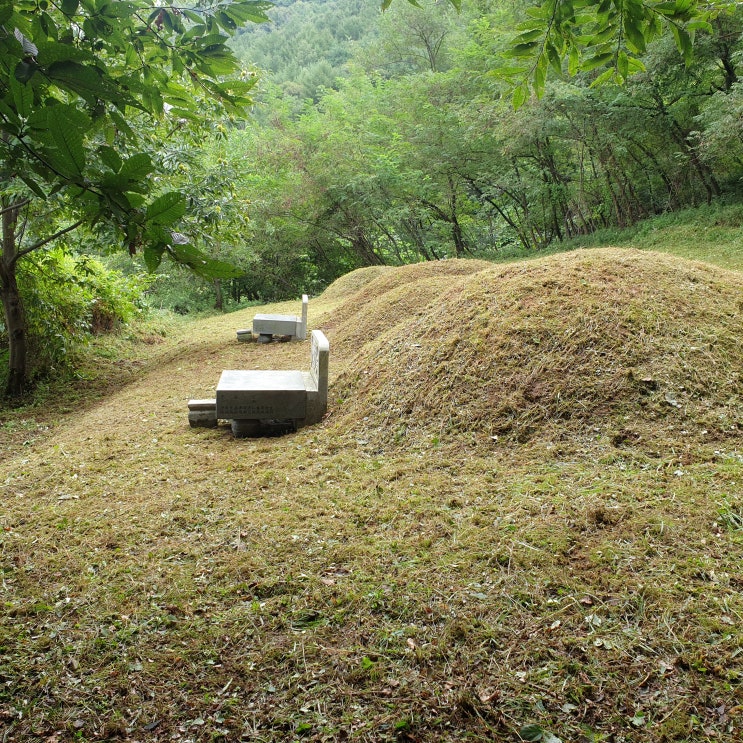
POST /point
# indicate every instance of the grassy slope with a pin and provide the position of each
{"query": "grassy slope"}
(710, 233)
(457, 569)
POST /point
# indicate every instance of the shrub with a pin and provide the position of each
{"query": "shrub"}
(67, 298)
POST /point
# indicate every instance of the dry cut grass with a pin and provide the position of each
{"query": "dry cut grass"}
(522, 519)
(633, 346)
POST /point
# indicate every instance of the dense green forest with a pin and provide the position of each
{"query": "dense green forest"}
(416, 152)
(414, 134)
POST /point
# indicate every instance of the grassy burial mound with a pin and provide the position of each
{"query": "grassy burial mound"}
(638, 348)
(353, 281)
(371, 302)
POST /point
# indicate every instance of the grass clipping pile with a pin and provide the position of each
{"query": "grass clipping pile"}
(637, 347)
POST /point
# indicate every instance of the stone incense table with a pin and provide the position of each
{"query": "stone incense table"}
(267, 326)
(263, 401)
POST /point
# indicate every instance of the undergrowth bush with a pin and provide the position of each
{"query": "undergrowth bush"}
(68, 298)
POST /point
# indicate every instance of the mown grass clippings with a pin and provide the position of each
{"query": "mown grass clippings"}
(590, 341)
(372, 579)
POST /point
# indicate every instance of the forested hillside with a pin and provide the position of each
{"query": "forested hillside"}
(414, 151)
(306, 45)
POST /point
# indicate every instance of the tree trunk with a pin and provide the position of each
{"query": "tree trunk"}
(219, 299)
(15, 317)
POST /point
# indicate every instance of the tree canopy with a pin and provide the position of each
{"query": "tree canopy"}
(607, 35)
(79, 80)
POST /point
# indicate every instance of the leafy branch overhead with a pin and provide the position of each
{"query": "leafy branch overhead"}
(78, 75)
(82, 86)
(608, 36)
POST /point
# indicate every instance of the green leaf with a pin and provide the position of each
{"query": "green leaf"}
(597, 61)
(520, 94)
(605, 77)
(683, 43)
(24, 71)
(55, 51)
(635, 37)
(137, 166)
(225, 21)
(118, 9)
(70, 154)
(528, 36)
(540, 76)
(12, 123)
(33, 185)
(537, 734)
(623, 64)
(6, 11)
(200, 263)
(254, 12)
(22, 96)
(65, 126)
(153, 255)
(522, 50)
(700, 25)
(110, 158)
(573, 60)
(531, 733)
(122, 125)
(167, 209)
(554, 58)
(87, 82)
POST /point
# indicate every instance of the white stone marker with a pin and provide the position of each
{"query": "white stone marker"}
(249, 397)
(266, 326)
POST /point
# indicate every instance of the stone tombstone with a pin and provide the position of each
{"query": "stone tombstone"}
(266, 326)
(257, 402)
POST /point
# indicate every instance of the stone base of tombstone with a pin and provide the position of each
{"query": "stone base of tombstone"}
(265, 338)
(278, 427)
(202, 419)
(244, 427)
(202, 413)
(244, 336)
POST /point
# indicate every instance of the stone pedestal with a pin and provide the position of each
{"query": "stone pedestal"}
(202, 413)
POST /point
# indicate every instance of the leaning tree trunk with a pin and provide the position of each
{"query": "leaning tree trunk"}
(15, 317)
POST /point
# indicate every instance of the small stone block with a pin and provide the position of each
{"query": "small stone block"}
(202, 418)
(244, 335)
(206, 404)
